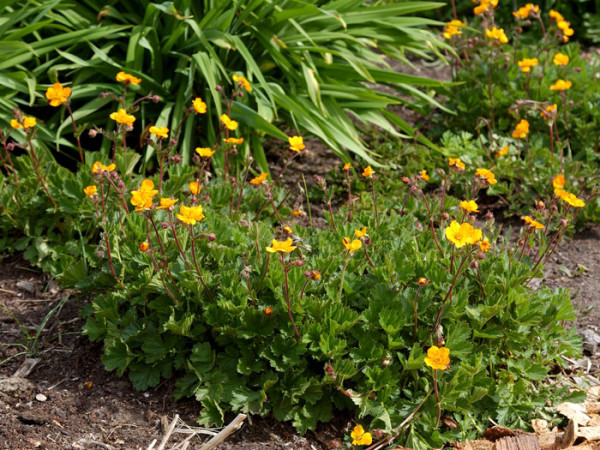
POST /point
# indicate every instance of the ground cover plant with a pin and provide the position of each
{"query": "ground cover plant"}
(208, 276)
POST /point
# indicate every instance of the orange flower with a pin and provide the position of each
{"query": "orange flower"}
(123, 77)
(561, 85)
(346, 167)
(502, 152)
(160, 132)
(243, 81)
(204, 152)
(422, 281)
(90, 190)
(167, 203)
(57, 94)
(298, 212)
(438, 358)
(484, 245)
(144, 246)
(452, 28)
(521, 130)
(122, 117)
(199, 105)
(259, 179)
(424, 175)
(268, 311)
(548, 111)
(457, 163)
(195, 188)
(558, 183)
(368, 172)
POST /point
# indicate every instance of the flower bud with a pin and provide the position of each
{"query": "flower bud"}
(377, 433)
(571, 102)
(367, 240)
(419, 226)
(164, 225)
(554, 208)
(578, 69)
(539, 205)
(129, 128)
(100, 253)
(413, 188)
(233, 150)
(308, 273)
(176, 159)
(563, 222)
(406, 180)
(155, 98)
(194, 200)
(10, 146)
(211, 237)
(385, 362)
(445, 216)
(489, 215)
(244, 223)
(481, 255)
(121, 185)
(330, 371)
(92, 133)
(206, 198)
(103, 94)
(240, 94)
(299, 263)
(474, 265)
(219, 88)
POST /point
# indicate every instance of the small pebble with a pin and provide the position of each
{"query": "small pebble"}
(41, 398)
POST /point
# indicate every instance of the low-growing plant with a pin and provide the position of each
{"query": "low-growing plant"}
(407, 314)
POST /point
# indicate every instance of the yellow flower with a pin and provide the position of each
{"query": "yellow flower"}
(98, 166)
(298, 212)
(166, 203)
(195, 188)
(438, 358)
(243, 81)
(281, 246)
(368, 172)
(316, 275)
(497, 34)
(484, 245)
(556, 16)
(561, 85)
(351, 246)
(558, 183)
(484, 6)
(90, 190)
(521, 130)
(456, 162)
(199, 105)
(359, 437)
(28, 122)
(424, 175)
(259, 179)
(15, 124)
(57, 94)
(190, 215)
(462, 234)
(296, 143)
(469, 206)
(160, 132)
(144, 246)
(232, 140)
(560, 59)
(229, 124)
(360, 233)
(566, 29)
(123, 77)
(288, 230)
(142, 198)
(204, 152)
(487, 174)
(571, 199)
(525, 11)
(122, 117)
(268, 311)
(548, 111)
(422, 281)
(502, 152)
(346, 167)
(527, 63)
(532, 223)
(452, 28)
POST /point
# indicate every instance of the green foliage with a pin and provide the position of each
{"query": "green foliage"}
(307, 62)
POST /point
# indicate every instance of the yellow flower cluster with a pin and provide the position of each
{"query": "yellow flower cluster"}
(352, 246)
(229, 124)
(98, 166)
(28, 122)
(485, 5)
(532, 223)
(438, 358)
(123, 77)
(527, 63)
(90, 190)
(558, 183)
(243, 81)
(488, 175)
(457, 163)
(497, 35)
(142, 198)
(566, 29)
(521, 130)
(525, 11)
(452, 28)
(549, 111)
(360, 437)
(462, 234)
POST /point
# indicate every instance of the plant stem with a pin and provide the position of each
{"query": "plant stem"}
(275, 209)
(109, 255)
(307, 201)
(196, 263)
(490, 86)
(374, 201)
(431, 223)
(162, 250)
(342, 277)
(35, 169)
(157, 268)
(287, 297)
(437, 398)
(161, 162)
(237, 206)
(416, 304)
(368, 257)
(75, 132)
(174, 231)
(264, 272)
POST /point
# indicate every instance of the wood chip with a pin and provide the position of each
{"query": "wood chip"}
(589, 433)
(575, 412)
(518, 442)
